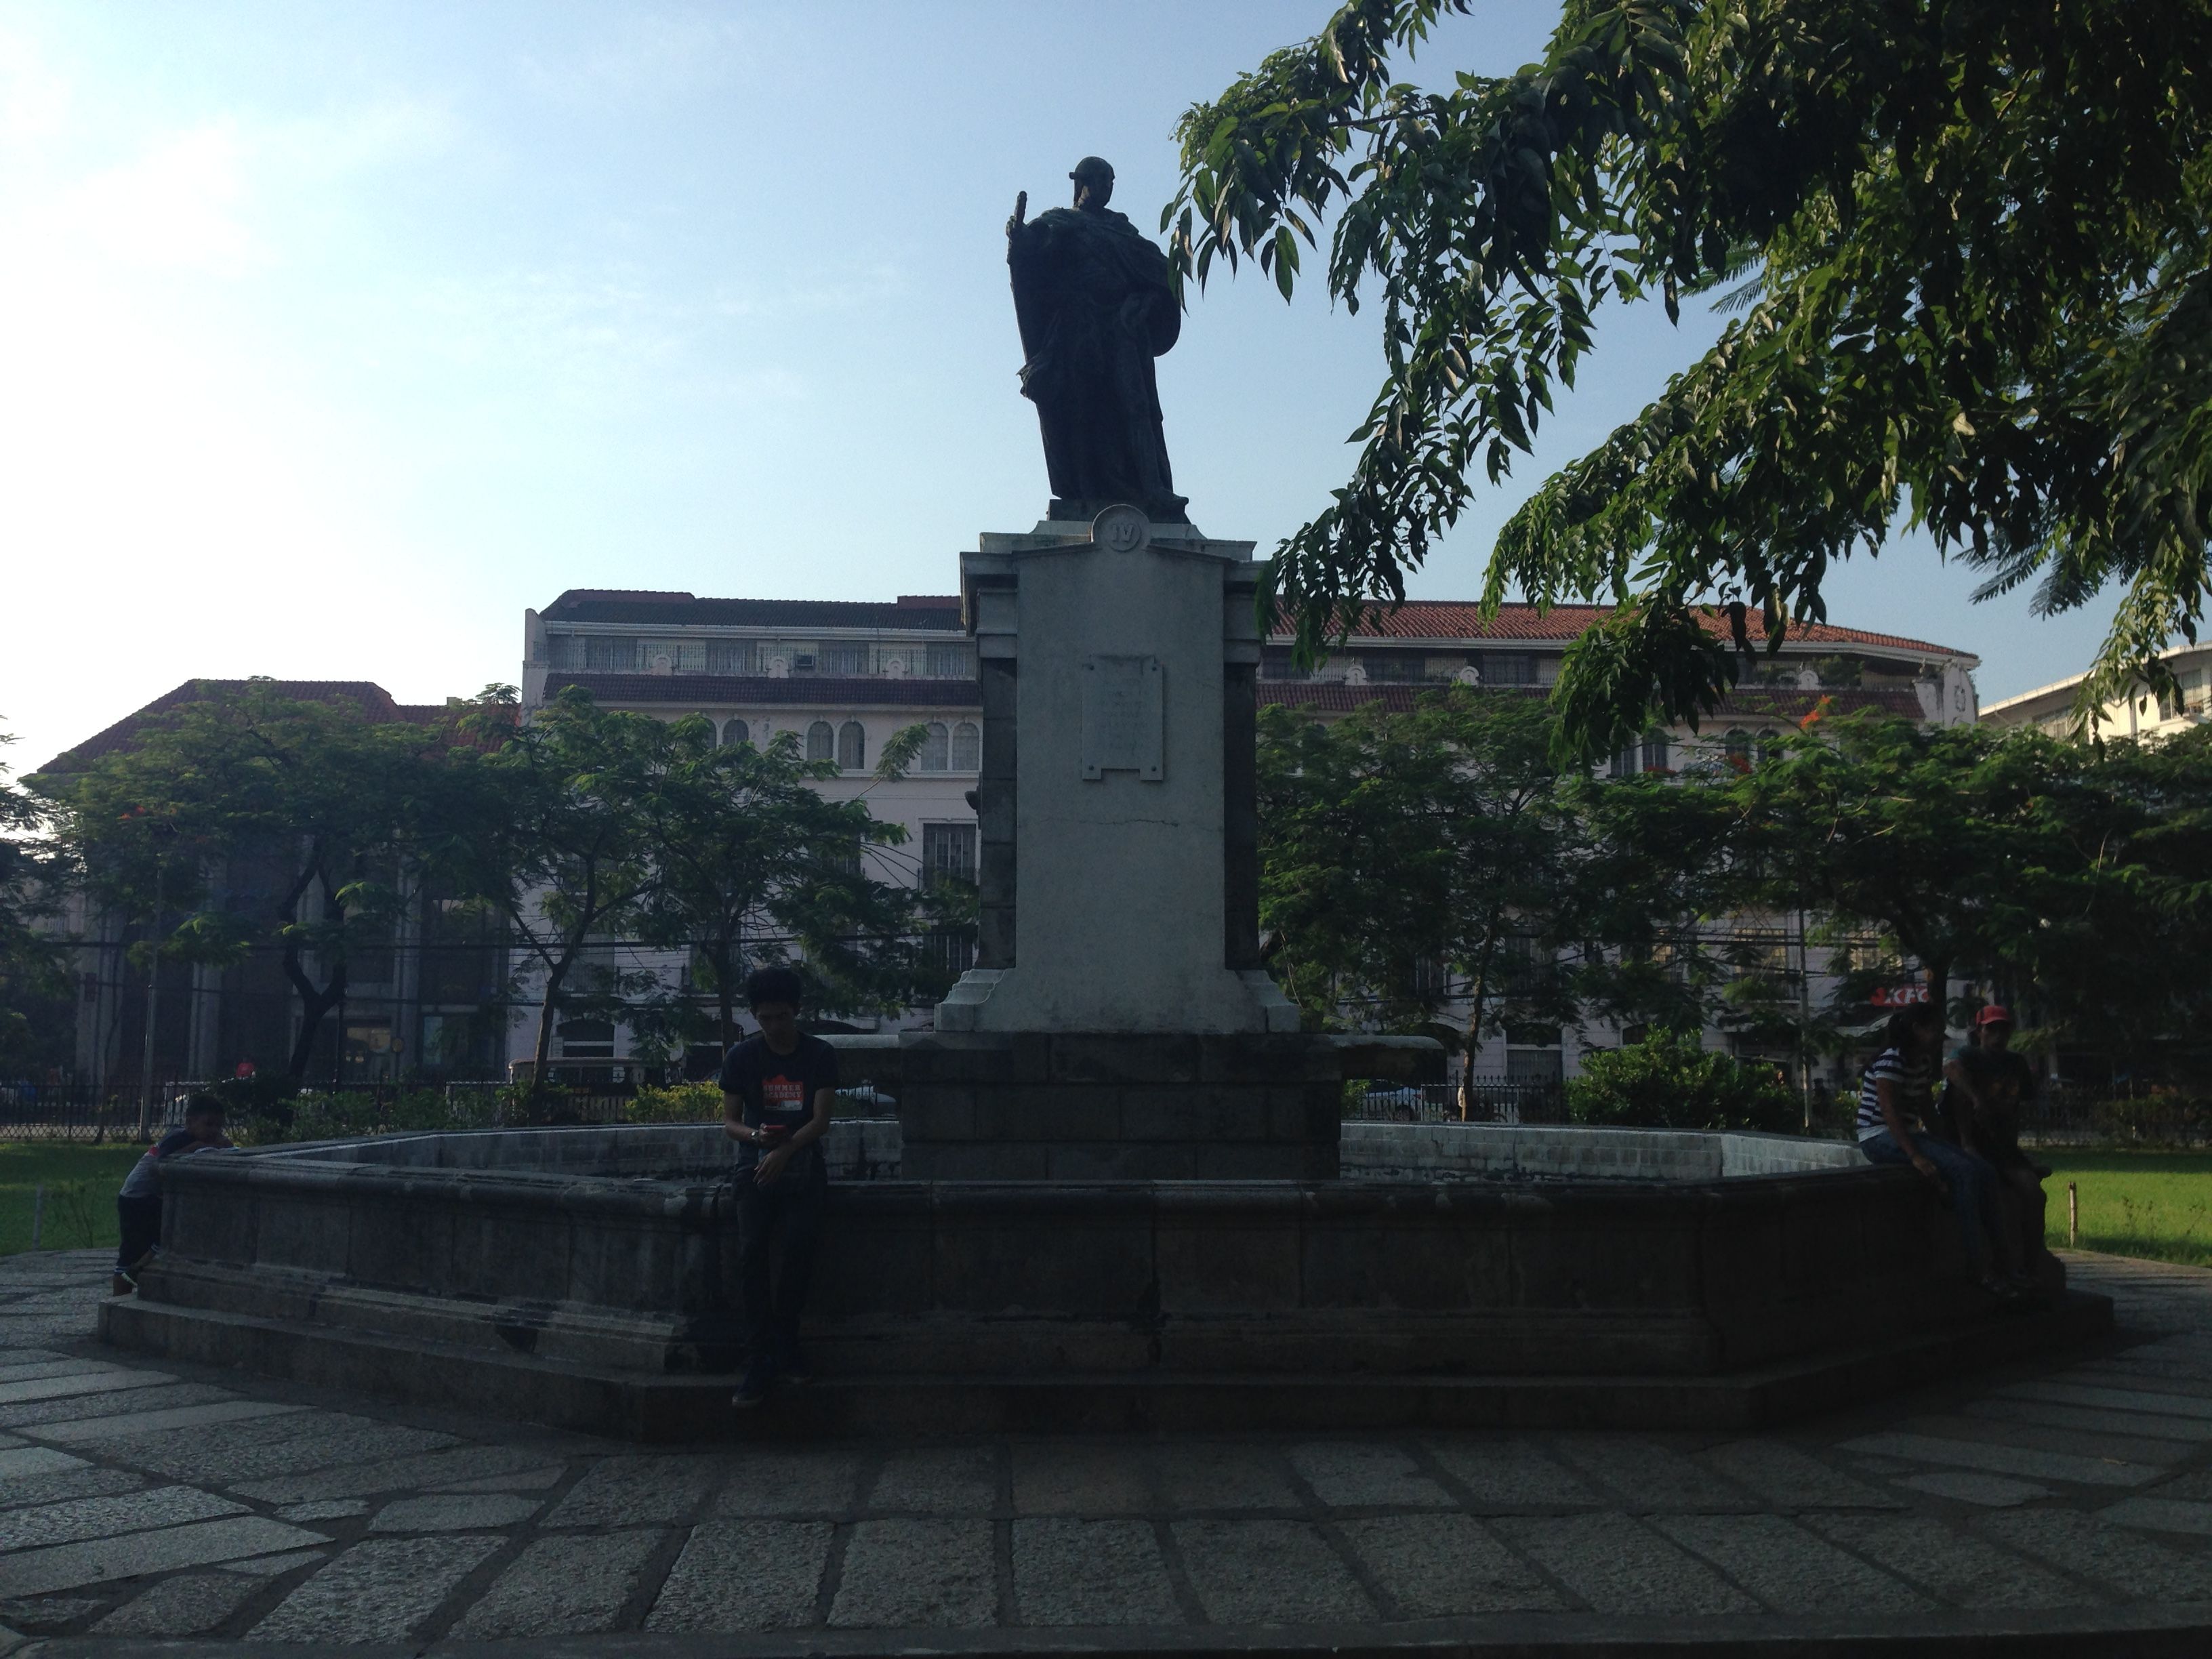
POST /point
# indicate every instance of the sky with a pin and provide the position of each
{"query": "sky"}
(333, 338)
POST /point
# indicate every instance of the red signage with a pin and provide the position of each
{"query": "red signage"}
(1899, 996)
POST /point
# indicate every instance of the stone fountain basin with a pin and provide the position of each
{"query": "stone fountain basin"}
(1448, 1250)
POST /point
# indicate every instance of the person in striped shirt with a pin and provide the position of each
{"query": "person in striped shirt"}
(1894, 1094)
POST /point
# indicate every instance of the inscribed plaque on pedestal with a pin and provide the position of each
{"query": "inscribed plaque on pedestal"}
(1124, 717)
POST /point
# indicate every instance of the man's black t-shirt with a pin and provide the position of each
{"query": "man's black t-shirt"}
(2006, 1083)
(776, 1089)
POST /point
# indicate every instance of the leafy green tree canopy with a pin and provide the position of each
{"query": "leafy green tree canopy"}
(35, 1010)
(313, 792)
(1415, 858)
(1980, 302)
(752, 858)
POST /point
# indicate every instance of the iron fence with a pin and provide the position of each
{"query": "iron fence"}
(1439, 1103)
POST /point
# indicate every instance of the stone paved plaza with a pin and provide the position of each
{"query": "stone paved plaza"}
(237, 1515)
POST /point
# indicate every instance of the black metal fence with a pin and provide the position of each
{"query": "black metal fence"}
(1439, 1103)
(2084, 1117)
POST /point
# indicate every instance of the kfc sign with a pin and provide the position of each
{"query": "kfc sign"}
(1899, 996)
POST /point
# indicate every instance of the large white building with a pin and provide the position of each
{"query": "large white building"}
(846, 675)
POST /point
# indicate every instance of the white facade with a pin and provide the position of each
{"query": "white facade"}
(2051, 708)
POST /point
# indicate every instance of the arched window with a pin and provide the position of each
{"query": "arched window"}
(967, 747)
(1655, 750)
(1735, 749)
(1624, 761)
(735, 732)
(852, 747)
(821, 742)
(936, 747)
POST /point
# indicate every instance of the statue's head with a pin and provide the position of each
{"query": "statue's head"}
(1094, 182)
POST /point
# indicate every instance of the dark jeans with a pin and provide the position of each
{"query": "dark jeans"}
(140, 1220)
(782, 1218)
(1972, 1181)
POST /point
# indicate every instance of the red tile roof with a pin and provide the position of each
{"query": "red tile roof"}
(1333, 697)
(375, 703)
(758, 691)
(1461, 619)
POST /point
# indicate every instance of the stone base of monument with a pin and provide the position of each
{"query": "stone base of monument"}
(586, 1278)
(1066, 1106)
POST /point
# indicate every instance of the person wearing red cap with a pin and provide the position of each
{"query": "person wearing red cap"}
(1992, 1086)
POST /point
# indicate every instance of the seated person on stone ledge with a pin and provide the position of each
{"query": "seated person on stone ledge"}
(1894, 1098)
(138, 1206)
(1991, 1086)
(778, 1088)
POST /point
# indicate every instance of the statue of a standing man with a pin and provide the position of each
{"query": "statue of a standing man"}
(1095, 306)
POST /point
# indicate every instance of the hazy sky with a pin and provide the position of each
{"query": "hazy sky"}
(333, 336)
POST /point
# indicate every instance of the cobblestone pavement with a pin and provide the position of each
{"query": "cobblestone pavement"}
(139, 1502)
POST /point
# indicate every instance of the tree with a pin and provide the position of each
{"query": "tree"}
(1934, 837)
(34, 999)
(549, 834)
(1979, 300)
(1411, 859)
(2120, 959)
(159, 833)
(751, 858)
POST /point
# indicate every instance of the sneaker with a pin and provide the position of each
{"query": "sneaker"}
(760, 1376)
(797, 1368)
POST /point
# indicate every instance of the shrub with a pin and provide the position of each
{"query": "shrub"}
(1667, 1082)
(677, 1103)
(346, 1114)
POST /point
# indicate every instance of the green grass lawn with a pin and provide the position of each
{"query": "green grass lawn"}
(80, 1181)
(2157, 1205)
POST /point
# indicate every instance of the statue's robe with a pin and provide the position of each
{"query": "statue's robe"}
(1095, 306)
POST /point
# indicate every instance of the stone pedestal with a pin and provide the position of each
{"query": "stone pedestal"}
(1119, 823)
(1117, 1024)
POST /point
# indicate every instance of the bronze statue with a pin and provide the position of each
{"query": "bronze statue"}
(1095, 305)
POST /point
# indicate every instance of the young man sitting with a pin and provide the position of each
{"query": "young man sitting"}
(138, 1206)
(1893, 1099)
(1995, 1085)
(778, 1088)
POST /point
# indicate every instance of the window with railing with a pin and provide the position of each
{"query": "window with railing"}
(609, 654)
(821, 741)
(936, 747)
(733, 657)
(1395, 668)
(948, 851)
(852, 747)
(949, 662)
(967, 747)
(1507, 668)
(735, 732)
(844, 658)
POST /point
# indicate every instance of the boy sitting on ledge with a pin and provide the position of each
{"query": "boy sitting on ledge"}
(778, 1088)
(138, 1206)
